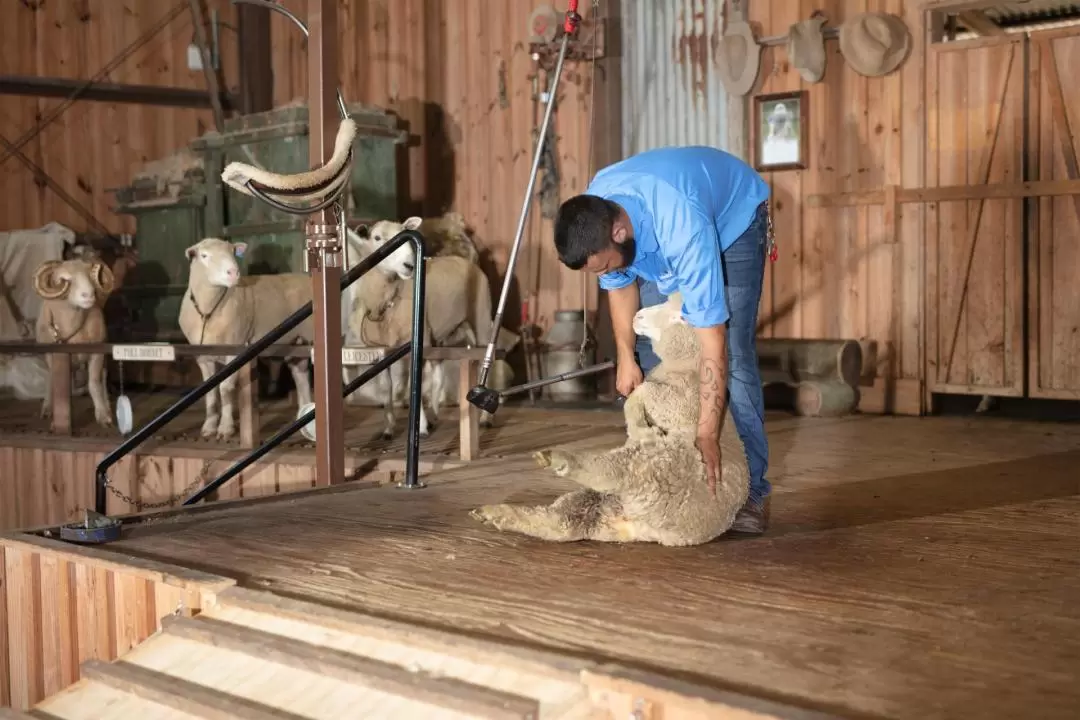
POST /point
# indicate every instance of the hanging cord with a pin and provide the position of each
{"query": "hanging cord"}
(595, 14)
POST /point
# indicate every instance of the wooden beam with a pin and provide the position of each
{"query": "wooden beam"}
(179, 694)
(256, 60)
(949, 193)
(978, 22)
(444, 692)
(323, 81)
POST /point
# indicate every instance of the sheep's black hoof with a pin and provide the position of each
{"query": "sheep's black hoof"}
(387, 435)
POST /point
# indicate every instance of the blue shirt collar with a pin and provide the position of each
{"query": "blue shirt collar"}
(644, 238)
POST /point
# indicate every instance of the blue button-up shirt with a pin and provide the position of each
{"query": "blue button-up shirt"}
(687, 206)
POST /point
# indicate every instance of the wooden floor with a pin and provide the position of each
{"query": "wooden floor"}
(916, 568)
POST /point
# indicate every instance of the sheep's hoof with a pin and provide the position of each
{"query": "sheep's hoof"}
(209, 429)
(543, 458)
(493, 515)
(387, 435)
(224, 433)
(104, 420)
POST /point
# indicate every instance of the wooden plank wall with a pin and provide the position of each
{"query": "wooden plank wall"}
(836, 275)
(95, 146)
(457, 71)
(41, 487)
(61, 605)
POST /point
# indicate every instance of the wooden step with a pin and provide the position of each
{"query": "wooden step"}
(552, 679)
(450, 693)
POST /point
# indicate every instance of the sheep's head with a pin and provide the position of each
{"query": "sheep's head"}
(672, 337)
(82, 282)
(215, 260)
(401, 262)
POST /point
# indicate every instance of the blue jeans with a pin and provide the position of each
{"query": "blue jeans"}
(744, 271)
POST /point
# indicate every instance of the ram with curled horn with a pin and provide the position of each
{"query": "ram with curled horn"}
(73, 296)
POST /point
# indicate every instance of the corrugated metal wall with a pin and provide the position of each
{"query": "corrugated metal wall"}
(672, 94)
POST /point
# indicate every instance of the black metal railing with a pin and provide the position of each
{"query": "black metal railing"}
(416, 345)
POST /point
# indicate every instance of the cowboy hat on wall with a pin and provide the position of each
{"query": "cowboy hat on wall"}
(806, 48)
(874, 43)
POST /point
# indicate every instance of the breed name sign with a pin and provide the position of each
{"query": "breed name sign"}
(358, 356)
(151, 352)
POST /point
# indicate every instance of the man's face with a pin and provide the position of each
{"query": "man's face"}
(617, 255)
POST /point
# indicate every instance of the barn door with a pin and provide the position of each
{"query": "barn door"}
(974, 248)
(1054, 245)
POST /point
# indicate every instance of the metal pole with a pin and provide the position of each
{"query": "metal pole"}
(489, 355)
(324, 245)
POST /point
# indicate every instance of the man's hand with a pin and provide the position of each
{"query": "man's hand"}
(627, 377)
(709, 447)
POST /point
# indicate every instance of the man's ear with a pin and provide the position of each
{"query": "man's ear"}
(618, 234)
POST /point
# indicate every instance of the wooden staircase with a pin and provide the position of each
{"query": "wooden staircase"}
(254, 655)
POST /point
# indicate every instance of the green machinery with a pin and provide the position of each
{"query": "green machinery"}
(175, 212)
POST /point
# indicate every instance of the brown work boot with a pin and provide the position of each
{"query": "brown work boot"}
(752, 518)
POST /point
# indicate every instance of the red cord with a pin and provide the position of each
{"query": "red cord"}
(572, 17)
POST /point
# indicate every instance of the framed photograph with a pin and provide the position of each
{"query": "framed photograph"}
(781, 122)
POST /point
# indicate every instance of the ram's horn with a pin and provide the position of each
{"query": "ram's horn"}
(43, 281)
(102, 275)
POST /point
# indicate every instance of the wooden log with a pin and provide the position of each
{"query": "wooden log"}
(825, 399)
(796, 360)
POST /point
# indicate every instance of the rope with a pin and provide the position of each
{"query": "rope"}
(591, 169)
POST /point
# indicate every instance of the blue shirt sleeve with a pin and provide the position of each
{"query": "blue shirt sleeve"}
(691, 247)
(616, 279)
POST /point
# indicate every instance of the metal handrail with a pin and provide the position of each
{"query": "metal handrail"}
(412, 451)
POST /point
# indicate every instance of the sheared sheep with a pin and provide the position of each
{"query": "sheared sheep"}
(653, 488)
(457, 308)
(73, 294)
(221, 307)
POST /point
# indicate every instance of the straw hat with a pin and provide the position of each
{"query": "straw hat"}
(874, 43)
(739, 57)
(806, 48)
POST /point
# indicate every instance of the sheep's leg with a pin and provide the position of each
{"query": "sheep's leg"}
(227, 426)
(389, 415)
(638, 428)
(398, 378)
(602, 472)
(569, 519)
(210, 425)
(95, 382)
(434, 387)
(298, 368)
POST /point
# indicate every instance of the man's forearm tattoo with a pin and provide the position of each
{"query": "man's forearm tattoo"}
(713, 392)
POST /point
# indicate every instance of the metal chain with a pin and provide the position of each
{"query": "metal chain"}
(199, 480)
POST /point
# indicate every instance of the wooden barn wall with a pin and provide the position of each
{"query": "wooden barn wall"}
(94, 146)
(459, 74)
(836, 276)
(62, 605)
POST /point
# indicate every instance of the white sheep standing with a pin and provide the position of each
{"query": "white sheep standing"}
(653, 488)
(73, 296)
(221, 307)
(457, 308)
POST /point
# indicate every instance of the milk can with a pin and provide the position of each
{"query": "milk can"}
(562, 354)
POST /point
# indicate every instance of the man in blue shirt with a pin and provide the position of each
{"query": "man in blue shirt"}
(693, 220)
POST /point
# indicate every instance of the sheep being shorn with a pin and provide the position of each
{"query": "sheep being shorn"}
(653, 488)
(457, 306)
(221, 307)
(73, 294)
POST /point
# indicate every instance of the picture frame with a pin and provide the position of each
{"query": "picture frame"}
(780, 124)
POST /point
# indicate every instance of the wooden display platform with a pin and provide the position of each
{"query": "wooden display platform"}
(914, 568)
(52, 479)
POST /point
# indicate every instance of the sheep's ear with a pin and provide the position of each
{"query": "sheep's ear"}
(190, 252)
(363, 231)
(239, 249)
(412, 223)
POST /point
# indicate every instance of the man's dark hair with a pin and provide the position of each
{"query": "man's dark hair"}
(583, 228)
